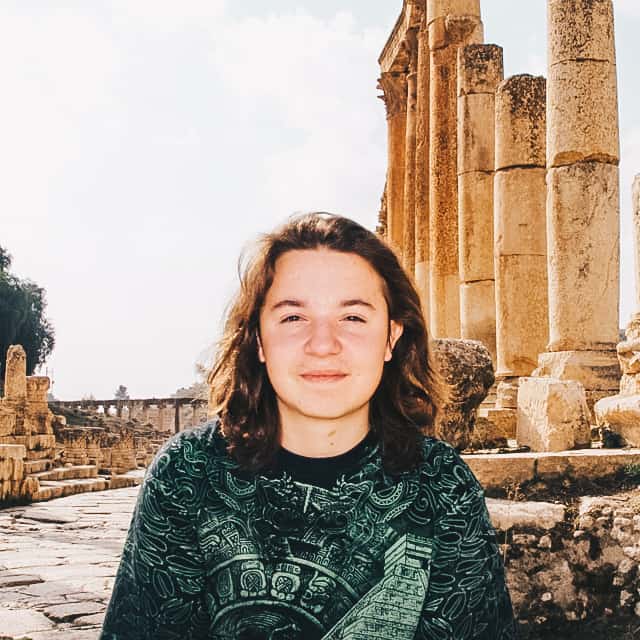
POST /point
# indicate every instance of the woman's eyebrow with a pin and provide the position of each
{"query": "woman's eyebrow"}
(345, 303)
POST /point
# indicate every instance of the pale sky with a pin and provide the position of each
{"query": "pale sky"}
(143, 143)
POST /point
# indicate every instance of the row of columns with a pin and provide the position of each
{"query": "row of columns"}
(502, 195)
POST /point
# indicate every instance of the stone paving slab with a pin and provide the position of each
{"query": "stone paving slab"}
(58, 562)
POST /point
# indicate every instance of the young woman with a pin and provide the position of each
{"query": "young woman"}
(316, 504)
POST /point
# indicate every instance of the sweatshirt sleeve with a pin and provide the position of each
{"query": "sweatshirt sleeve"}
(467, 597)
(160, 585)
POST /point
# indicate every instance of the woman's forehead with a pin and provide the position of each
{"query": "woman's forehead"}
(312, 271)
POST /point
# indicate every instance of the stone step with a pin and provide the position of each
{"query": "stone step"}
(36, 466)
(500, 470)
(50, 489)
(68, 473)
(122, 481)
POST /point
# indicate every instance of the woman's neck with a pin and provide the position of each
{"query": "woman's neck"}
(321, 437)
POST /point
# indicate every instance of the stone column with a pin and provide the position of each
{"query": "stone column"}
(451, 24)
(381, 228)
(583, 207)
(620, 414)
(480, 70)
(636, 242)
(520, 236)
(409, 214)
(394, 87)
(422, 170)
(15, 374)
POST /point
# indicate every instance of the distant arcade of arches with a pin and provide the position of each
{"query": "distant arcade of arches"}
(165, 414)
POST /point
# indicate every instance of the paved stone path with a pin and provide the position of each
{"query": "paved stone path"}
(58, 561)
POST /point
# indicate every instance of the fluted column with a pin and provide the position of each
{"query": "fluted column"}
(480, 70)
(394, 87)
(451, 24)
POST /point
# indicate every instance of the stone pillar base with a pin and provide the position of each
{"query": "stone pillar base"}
(620, 414)
(552, 415)
(597, 371)
(493, 428)
(507, 393)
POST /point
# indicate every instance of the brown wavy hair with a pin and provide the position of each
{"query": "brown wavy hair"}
(404, 404)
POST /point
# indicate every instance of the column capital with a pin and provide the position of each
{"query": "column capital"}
(394, 87)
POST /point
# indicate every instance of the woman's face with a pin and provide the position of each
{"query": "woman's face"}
(325, 333)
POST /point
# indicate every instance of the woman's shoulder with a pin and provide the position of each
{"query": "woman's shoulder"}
(190, 451)
(446, 473)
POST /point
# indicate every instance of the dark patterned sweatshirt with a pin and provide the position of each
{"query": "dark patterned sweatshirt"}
(350, 552)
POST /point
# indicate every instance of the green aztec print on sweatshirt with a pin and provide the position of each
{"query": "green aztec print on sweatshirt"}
(216, 553)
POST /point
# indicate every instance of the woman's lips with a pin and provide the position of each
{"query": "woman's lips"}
(314, 376)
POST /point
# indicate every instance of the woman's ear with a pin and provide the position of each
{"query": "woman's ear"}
(395, 331)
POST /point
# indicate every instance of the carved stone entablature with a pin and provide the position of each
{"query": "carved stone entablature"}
(394, 88)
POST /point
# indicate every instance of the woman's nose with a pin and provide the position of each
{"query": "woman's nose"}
(322, 339)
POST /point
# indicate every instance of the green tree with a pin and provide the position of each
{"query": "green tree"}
(121, 393)
(22, 318)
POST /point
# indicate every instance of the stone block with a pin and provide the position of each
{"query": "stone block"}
(15, 380)
(476, 138)
(584, 246)
(520, 197)
(583, 113)
(552, 414)
(7, 421)
(597, 370)
(507, 514)
(13, 451)
(520, 112)
(507, 394)
(489, 433)
(467, 370)
(475, 219)
(500, 470)
(620, 414)
(585, 464)
(443, 8)
(480, 70)
(580, 30)
(37, 389)
(478, 313)
(521, 320)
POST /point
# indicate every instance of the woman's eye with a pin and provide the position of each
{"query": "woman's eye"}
(290, 319)
(355, 319)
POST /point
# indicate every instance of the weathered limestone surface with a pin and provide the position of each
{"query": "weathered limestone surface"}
(15, 379)
(582, 83)
(409, 208)
(61, 560)
(621, 413)
(422, 169)
(552, 414)
(480, 70)
(583, 201)
(468, 371)
(394, 87)
(519, 239)
(520, 236)
(583, 207)
(451, 24)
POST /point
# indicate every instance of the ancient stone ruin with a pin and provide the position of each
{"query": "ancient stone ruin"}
(481, 169)
(502, 200)
(45, 455)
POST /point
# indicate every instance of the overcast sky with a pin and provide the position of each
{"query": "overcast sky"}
(144, 142)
